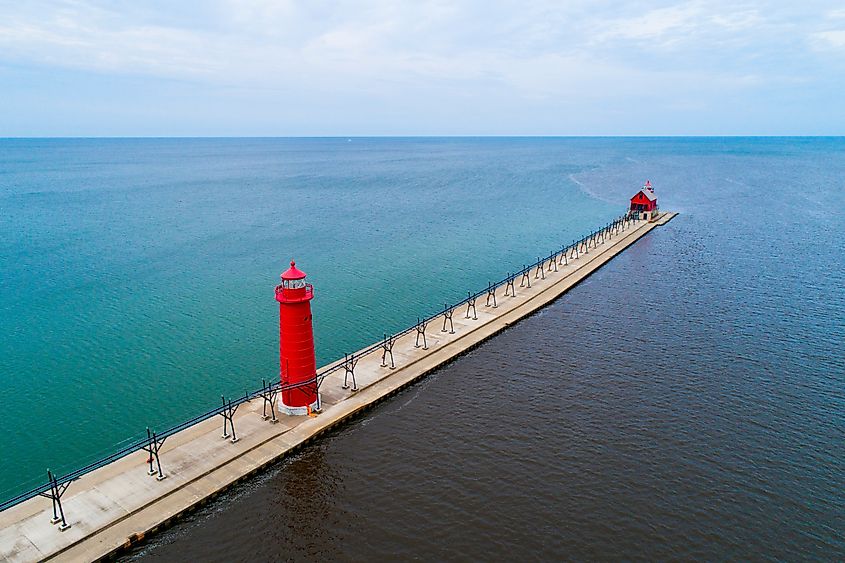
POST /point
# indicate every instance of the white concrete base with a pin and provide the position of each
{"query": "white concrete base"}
(298, 411)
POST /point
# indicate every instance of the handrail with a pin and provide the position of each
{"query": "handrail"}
(317, 380)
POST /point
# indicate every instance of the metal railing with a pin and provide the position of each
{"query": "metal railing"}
(56, 485)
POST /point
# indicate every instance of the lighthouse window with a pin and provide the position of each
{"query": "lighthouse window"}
(294, 284)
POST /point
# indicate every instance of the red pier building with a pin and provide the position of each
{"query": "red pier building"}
(297, 362)
(644, 204)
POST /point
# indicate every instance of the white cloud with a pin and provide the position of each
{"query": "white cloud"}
(666, 24)
(259, 40)
(88, 38)
(826, 40)
(432, 53)
(671, 26)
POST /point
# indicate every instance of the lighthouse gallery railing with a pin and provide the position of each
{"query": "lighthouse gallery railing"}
(56, 485)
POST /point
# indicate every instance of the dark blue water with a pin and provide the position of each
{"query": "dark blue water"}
(685, 402)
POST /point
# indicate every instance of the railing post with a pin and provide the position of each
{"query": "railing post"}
(156, 445)
(58, 495)
(525, 277)
(509, 286)
(447, 316)
(539, 271)
(152, 448)
(228, 415)
(421, 332)
(349, 362)
(387, 348)
(268, 394)
(55, 519)
(491, 294)
(471, 305)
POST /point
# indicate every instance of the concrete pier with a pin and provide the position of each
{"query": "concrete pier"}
(118, 504)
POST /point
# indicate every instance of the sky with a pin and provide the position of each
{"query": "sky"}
(314, 68)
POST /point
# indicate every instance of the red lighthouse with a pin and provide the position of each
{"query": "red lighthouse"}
(296, 342)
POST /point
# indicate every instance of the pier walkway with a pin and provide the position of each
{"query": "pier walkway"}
(118, 504)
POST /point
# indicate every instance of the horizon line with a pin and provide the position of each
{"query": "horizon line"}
(468, 136)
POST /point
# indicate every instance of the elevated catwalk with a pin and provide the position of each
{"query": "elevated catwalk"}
(117, 505)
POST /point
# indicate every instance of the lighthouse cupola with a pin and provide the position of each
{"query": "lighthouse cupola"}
(297, 361)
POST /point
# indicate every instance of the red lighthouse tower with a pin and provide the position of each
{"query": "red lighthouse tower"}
(296, 342)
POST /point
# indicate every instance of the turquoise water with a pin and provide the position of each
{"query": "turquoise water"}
(137, 274)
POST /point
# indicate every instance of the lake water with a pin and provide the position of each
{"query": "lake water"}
(686, 401)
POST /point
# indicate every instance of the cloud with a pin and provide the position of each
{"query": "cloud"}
(433, 53)
(665, 24)
(827, 40)
(672, 26)
(259, 40)
(83, 36)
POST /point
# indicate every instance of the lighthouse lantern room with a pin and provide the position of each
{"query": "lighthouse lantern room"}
(644, 203)
(296, 344)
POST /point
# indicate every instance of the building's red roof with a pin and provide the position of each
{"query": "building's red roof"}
(647, 193)
(293, 272)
